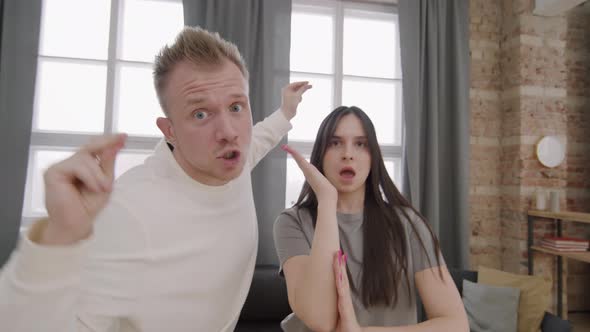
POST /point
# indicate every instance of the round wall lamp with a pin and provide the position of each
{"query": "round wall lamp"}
(550, 151)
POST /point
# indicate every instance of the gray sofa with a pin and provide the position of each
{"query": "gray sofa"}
(267, 303)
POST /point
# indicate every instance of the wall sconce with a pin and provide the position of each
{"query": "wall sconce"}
(550, 151)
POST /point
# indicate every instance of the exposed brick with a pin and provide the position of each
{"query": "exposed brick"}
(530, 77)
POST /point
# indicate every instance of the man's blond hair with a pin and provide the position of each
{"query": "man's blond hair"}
(199, 47)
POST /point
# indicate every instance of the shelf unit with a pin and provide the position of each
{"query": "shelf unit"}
(558, 218)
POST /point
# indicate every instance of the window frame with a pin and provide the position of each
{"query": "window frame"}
(390, 152)
(55, 140)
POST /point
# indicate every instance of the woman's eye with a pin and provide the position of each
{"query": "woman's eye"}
(201, 115)
(335, 143)
(361, 144)
(236, 108)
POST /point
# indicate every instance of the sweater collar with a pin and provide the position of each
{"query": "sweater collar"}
(163, 154)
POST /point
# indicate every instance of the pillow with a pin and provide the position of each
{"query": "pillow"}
(554, 323)
(535, 294)
(490, 308)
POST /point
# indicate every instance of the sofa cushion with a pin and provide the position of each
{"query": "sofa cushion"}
(553, 323)
(490, 308)
(460, 275)
(535, 294)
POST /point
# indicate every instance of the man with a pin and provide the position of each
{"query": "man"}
(172, 247)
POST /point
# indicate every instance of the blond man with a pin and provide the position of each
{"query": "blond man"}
(171, 246)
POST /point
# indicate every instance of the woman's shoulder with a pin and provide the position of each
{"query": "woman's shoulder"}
(407, 215)
(295, 214)
(413, 222)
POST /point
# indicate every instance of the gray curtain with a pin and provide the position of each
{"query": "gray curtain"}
(262, 31)
(19, 40)
(435, 67)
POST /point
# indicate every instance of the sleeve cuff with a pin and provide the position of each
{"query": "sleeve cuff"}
(280, 121)
(42, 265)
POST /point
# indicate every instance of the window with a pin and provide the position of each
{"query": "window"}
(94, 77)
(350, 54)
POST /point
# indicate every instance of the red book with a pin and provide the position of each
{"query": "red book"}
(565, 240)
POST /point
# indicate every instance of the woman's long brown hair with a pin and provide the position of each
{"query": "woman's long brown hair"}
(383, 230)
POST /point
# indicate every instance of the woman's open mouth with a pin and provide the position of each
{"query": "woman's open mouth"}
(347, 173)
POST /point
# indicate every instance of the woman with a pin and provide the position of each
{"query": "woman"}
(352, 249)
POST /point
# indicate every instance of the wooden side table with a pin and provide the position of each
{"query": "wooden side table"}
(558, 218)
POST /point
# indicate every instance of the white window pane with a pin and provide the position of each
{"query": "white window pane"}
(70, 97)
(136, 104)
(394, 170)
(129, 159)
(39, 162)
(316, 104)
(75, 28)
(312, 42)
(147, 26)
(381, 100)
(371, 46)
(295, 181)
(41, 159)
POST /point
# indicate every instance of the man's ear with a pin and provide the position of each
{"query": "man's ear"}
(167, 129)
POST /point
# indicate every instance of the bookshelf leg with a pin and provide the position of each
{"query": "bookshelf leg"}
(560, 286)
(530, 243)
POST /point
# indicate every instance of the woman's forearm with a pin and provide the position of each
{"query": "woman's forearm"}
(316, 296)
(448, 323)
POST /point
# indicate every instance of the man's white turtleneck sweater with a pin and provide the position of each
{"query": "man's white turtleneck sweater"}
(167, 254)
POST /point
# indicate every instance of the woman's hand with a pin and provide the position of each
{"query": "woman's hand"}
(346, 316)
(323, 189)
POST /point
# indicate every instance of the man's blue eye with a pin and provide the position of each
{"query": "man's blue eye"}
(201, 115)
(236, 107)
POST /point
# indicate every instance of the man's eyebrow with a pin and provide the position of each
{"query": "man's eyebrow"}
(195, 100)
(238, 96)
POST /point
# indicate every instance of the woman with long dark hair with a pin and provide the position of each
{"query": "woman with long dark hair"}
(352, 249)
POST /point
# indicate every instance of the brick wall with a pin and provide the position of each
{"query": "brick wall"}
(530, 77)
(577, 55)
(485, 104)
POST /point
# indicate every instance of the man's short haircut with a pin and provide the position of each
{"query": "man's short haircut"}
(199, 47)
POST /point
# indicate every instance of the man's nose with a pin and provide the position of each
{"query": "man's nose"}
(226, 128)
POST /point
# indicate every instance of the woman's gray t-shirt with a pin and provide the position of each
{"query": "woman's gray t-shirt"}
(293, 235)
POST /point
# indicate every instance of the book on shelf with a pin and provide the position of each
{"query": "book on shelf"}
(565, 249)
(582, 249)
(565, 244)
(565, 240)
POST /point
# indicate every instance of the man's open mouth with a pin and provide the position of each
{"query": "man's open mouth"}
(230, 155)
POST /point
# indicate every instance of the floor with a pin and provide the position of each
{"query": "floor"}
(581, 321)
